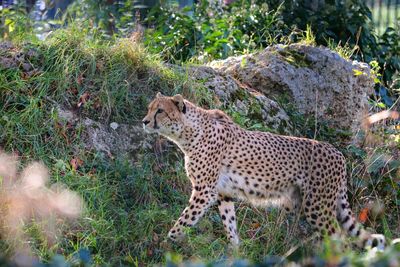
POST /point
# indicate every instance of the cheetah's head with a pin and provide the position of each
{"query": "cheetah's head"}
(165, 116)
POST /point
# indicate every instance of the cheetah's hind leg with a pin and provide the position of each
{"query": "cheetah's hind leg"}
(226, 209)
(321, 214)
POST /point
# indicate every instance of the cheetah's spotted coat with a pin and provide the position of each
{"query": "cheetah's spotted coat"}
(225, 162)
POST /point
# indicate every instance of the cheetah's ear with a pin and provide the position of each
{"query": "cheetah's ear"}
(178, 101)
(158, 95)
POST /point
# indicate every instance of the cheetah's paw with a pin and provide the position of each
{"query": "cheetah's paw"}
(376, 241)
(176, 235)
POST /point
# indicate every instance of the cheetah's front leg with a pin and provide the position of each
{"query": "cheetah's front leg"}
(226, 209)
(199, 202)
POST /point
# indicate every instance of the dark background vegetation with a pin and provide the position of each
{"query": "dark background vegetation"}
(115, 52)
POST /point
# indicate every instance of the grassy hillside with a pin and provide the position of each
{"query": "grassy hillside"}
(103, 81)
(131, 204)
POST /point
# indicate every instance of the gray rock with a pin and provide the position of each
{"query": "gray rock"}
(273, 114)
(7, 63)
(114, 125)
(6, 45)
(122, 140)
(13, 57)
(26, 66)
(65, 114)
(318, 81)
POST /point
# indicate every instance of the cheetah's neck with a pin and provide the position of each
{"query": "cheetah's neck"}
(192, 132)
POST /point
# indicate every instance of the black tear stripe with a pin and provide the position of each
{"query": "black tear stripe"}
(155, 121)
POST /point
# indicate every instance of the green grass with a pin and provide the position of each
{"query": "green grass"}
(130, 206)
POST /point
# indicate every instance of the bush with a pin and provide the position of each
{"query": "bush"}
(15, 23)
(211, 32)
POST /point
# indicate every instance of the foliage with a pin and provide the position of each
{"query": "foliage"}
(15, 23)
(211, 32)
(347, 22)
(107, 17)
(388, 57)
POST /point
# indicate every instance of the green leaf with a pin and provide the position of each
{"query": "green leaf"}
(357, 72)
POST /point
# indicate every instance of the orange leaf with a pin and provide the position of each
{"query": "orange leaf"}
(363, 216)
(76, 163)
(83, 99)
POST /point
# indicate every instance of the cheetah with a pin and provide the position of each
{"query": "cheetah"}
(225, 162)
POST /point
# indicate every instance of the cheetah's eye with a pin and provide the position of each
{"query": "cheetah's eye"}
(160, 110)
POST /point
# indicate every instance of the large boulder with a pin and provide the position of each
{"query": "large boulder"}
(317, 80)
(110, 138)
(115, 139)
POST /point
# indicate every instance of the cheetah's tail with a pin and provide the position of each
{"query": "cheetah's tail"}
(348, 222)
